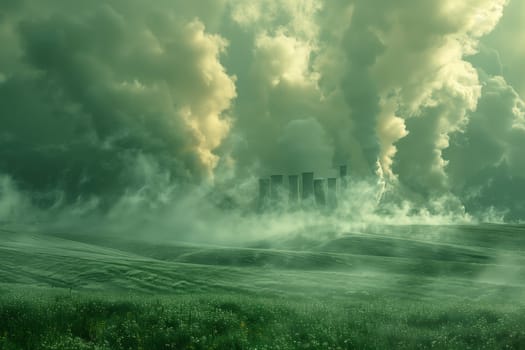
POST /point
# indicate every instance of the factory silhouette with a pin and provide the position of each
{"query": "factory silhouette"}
(303, 191)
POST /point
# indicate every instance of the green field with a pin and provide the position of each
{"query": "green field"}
(444, 287)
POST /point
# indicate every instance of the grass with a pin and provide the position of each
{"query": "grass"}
(408, 289)
(58, 320)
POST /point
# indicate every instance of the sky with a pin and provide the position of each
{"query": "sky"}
(117, 103)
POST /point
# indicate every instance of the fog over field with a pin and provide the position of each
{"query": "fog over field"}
(140, 143)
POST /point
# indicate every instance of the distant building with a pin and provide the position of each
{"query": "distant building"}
(319, 191)
(303, 190)
(293, 189)
(307, 186)
(331, 197)
(343, 175)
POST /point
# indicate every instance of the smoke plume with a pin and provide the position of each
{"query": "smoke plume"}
(124, 108)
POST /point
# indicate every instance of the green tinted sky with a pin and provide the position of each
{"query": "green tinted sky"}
(101, 98)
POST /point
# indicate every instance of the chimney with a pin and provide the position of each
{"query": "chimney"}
(293, 187)
(307, 186)
(343, 174)
(319, 191)
(332, 192)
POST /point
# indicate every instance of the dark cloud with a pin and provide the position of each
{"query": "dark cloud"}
(485, 166)
(101, 86)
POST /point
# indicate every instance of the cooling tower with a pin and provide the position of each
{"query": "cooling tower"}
(331, 197)
(307, 186)
(343, 175)
(319, 191)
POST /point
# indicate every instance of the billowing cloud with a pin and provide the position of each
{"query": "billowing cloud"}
(121, 101)
(486, 162)
(93, 88)
(502, 54)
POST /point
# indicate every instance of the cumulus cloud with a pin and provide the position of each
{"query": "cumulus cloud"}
(96, 87)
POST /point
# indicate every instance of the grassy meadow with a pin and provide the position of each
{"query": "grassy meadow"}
(460, 289)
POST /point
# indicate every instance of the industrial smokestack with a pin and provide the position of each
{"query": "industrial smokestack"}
(319, 191)
(293, 189)
(307, 186)
(332, 193)
(343, 175)
(264, 193)
(276, 188)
